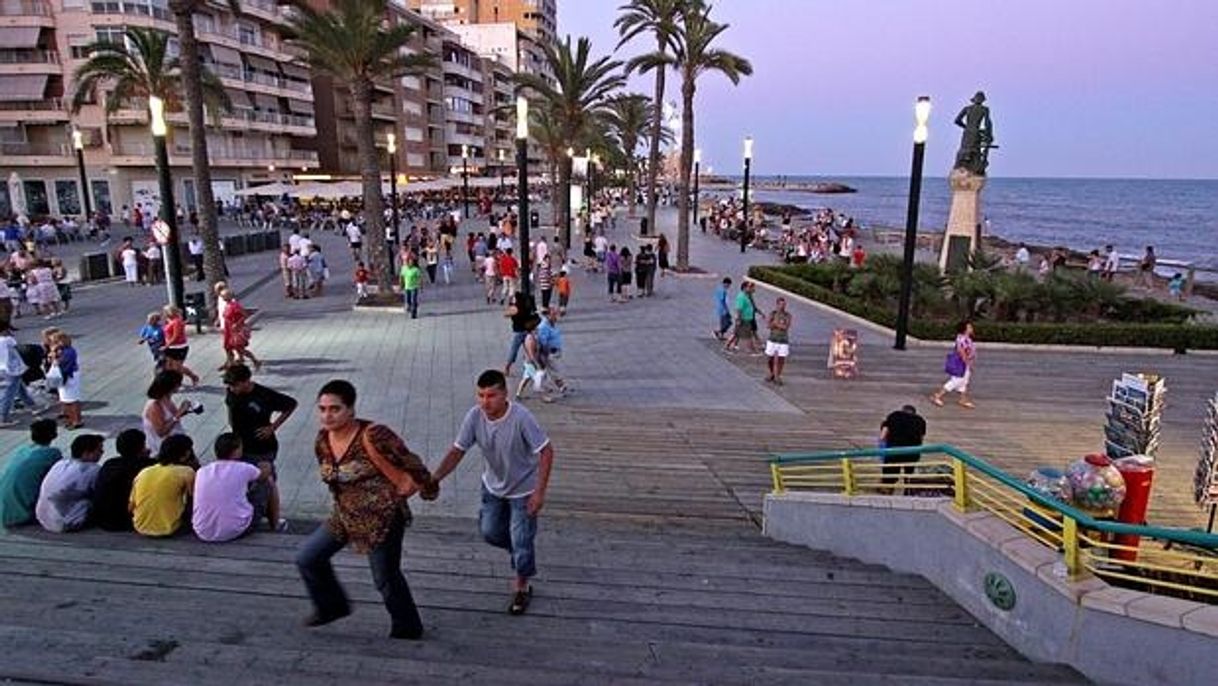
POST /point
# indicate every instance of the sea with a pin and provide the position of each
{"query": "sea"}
(1178, 217)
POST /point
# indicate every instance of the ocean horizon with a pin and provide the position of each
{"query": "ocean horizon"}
(1179, 217)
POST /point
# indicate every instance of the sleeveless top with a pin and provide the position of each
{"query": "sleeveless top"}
(152, 440)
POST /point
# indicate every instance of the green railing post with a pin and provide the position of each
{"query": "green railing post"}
(848, 483)
(960, 483)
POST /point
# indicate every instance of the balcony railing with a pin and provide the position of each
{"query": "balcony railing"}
(32, 148)
(229, 71)
(29, 56)
(24, 8)
(220, 152)
(44, 105)
(134, 9)
(278, 118)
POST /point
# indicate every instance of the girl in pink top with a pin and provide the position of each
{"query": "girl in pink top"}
(959, 367)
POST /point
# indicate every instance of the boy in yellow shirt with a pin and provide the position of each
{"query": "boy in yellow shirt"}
(160, 496)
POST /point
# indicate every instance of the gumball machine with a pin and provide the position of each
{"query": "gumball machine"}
(1096, 486)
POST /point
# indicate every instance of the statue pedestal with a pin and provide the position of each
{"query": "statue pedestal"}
(963, 221)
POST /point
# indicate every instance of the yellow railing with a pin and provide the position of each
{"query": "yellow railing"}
(1178, 562)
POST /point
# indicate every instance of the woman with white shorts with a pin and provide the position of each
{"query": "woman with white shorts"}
(959, 367)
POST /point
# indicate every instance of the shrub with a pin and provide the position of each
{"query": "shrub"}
(1171, 331)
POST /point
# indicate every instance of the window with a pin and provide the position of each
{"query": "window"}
(36, 201)
(79, 52)
(110, 34)
(6, 203)
(414, 134)
(67, 197)
(101, 196)
(205, 23)
(248, 34)
(107, 7)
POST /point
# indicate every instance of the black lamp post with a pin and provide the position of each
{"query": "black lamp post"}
(570, 162)
(697, 173)
(465, 178)
(921, 115)
(79, 144)
(522, 190)
(502, 171)
(173, 249)
(591, 167)
(748, 166)
(393, 236)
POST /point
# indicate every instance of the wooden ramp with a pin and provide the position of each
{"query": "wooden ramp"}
(651, 571)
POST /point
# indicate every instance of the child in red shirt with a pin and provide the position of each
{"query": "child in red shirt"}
(361, 281)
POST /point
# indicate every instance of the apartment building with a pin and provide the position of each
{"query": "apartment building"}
(266, 136)
(538, 18)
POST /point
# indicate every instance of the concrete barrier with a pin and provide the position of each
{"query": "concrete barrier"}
(1111, 635)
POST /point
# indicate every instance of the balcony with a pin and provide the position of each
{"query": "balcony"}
(29, 56)
(46, 110)
(219, 154)
(235, 73)
(263, 120)
(25, 8)
(133, 10)
(39, 152)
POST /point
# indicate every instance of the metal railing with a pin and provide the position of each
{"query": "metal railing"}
(29, 56)
(43, 105)
(24, 8)
(1179, 562)
(132, 9)
(39, 149)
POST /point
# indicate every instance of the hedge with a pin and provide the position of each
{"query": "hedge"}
(1178, 337)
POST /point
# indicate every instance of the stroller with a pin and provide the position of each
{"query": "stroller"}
(34, 357)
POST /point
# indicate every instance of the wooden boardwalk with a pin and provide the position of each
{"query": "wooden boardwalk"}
(651, 571)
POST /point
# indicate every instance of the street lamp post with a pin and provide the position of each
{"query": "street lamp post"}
(78, 143)
(522, 191)
(921, 116)
(591, 180)
(748, 166)
(502, 170)
(394, 236)
(173, 249)
(465, 178)
(697, 173)
(566, 242)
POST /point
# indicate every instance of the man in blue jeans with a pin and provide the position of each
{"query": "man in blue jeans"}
(13, 368)
(722, 310)
(518, 457)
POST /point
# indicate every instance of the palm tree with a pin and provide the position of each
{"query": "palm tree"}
(192, 87)
(577, 103)
(138, 67)
(629, 116)
(659, 18)
(354, 45)
(695, 55)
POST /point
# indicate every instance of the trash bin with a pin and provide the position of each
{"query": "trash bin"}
(534, 219)
(196, 309)
(234, 245)
(1139, 473)
(94, 266)
(255, 242)
(643, 226)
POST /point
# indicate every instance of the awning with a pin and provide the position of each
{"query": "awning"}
(224, 55)
(240, 99)
(14, 87)
(262, 63)
(19, 36)
(300, 107)
(266, 102)
(295, 70)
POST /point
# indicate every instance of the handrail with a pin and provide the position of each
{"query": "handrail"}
(1196, 538)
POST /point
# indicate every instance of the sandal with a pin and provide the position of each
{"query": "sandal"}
(967, 404)
(937, 401)
(520, 601)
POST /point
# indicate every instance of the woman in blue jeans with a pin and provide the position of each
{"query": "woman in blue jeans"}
(365, 466)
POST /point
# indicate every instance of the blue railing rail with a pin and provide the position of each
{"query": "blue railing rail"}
(1184, 536)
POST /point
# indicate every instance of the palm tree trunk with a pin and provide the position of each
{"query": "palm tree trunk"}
(370, 176)
(564, 199)
(653, 154)
(192, 87)
(630, 146)
(687, 165)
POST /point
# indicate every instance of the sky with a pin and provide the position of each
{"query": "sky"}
(1076, 88)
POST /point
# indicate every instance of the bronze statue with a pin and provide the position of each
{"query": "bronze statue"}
(978, 136)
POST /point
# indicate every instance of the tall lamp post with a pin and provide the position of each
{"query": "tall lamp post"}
(169, 215)
(502, 170)
(591, 180)
(566, 242)
(522, 189)
(748, 166)
(465, 178)
(697, 173)
(393, 236)
(921, 116)
(78, 142)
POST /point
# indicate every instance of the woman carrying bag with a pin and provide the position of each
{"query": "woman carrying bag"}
(371, 473)
(64, 377)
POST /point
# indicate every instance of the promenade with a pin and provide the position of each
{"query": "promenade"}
(652, 565)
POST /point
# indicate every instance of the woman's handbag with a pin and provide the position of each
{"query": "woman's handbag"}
(954, 365)
(54, 377)
(403, 483)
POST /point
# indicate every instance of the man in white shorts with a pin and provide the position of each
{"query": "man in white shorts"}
(777, 346)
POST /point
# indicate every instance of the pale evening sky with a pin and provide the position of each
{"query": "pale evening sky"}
(1116, 88)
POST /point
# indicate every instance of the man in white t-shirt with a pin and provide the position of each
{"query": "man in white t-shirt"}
(355, 238)
(304, 246)
(294, 241)
(131, 263)
(1022, 258)
(195, 247)
(223, 507)
(519, 457)
(1112, 262)
(66, 495)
